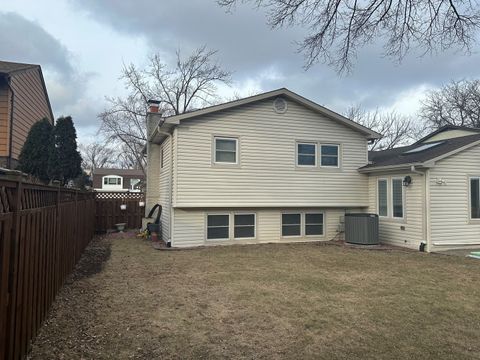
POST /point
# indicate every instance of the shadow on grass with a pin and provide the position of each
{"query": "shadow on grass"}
(93, 259)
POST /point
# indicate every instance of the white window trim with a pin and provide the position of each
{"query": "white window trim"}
(305, 223)
(229, 226)
(338, 156)
(470, 178)
(403, 198)
(254, 226)
(237, 155)
(112, 177)
(378, 197)
(281, 224)
(315, 153)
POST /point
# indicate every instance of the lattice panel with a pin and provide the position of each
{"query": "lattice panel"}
(119, 195)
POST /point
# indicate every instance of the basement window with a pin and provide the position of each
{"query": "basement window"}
(244, 226)
(291, 224)
(218, 226)
(313, 224)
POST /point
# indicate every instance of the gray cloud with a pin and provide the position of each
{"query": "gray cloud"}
(25, 41)
(22, 40)
(249, 47)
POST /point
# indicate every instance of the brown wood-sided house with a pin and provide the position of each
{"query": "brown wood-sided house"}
(23, 101)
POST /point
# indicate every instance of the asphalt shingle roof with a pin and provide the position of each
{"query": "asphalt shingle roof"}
(398, 156)
(7, 67)
(119, 172)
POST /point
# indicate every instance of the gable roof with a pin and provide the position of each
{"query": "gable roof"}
(7, 67)
(404, 156)
(370, 134)
(448, 128)
(11, 68)
(119, 172)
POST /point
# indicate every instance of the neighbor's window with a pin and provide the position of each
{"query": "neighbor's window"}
(244, 226)
(314, 224)
(475, 198)
(329, 155)
(112, 181)
(397, 198)
(217, 226)
(382, 198)
(306, 154)
(226, 150)
(291, 224)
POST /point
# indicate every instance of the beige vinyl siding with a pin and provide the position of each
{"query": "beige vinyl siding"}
(153, 176)
(449, 134)
(190, 226)
(390, 228)
(267, 175)
(166, 179)
(449, 200)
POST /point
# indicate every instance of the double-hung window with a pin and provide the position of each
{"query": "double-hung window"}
(475, 198)
(329, 155)
(218, 227)
(291, 224)
(314, 224)
(306, 154)
(382, 197)
(224, 226)
(397, 198)
(226, 150)
(244, 226)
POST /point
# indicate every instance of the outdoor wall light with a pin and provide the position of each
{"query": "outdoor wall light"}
(123, 207)
(141, 203)
(407, 180)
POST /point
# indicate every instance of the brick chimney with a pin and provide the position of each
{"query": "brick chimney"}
(153, 116)
(153, 106)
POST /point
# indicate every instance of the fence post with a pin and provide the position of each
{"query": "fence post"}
(12, 278)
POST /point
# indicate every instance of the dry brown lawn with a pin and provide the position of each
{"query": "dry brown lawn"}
(302, 301)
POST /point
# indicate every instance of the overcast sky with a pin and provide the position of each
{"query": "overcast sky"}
(82, 44)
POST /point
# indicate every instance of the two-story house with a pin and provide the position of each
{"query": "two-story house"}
(274, 167)
(23, 102)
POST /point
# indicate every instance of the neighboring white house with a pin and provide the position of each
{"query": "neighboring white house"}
(112, 179)
(429, 191)
(274, 167)
(277, 167)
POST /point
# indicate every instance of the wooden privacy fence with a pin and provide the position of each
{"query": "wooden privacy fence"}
(108, 210)
(43, 233)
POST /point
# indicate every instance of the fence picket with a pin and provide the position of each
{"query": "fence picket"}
(43, 232)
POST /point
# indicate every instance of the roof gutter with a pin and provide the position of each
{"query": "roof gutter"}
(393, 167)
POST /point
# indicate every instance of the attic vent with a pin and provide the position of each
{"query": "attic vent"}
(280, 105)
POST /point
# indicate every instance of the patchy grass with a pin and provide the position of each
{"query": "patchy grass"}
(268, 301)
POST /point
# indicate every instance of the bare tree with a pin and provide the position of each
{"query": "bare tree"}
(397, 130)
(96, 155)
(338, 28)
(457, 103)
(191, 83)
